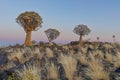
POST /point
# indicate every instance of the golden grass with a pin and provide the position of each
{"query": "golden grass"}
(118, 55)
(49, 53)
(36, 53)
(107, 46)
(117, 64)
(36, 50)
(92, 57)
(109, 57)
(7, 66)
(95, 69)
(69, 65)
(78, 78)
(96, 72)
(98, 54)
(116, 60)
(83, 50)
(83, 59)
(16, 57)
(53, 72)
(29, 72)
(65, 47)
(17, 54)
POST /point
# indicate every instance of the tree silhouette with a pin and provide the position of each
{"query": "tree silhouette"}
(30, 21)
(98, 39)
(81, 30)
(114, 38)
(52, 34)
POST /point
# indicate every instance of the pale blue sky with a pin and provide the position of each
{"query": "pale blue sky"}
(101, 16)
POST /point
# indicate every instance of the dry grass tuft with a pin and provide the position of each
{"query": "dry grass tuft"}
(29, 72)
(18, 55)
(109, 57)
(69, 65)
(78, 78)
(53, 72)
(7, 66)
(117, 64)
(107, 46)
(49, 53)
(92, 57)
(98, 54)
(83, 60)
(96, 72)
(116, 60)
(83, 50)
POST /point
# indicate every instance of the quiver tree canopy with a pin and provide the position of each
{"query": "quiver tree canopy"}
(52, 34)
(81, 30)
(29, 20)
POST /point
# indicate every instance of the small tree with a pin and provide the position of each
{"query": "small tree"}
(114, 38)
(52, 34)
(98, 39)
(30, 21)
(81, 30)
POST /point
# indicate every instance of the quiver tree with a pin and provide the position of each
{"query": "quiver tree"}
(30, 21)
(98, 39)
(113, 38)
(52, 34)
(81, 30)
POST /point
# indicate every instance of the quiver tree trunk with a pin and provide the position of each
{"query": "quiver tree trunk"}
(28, 39)
(80, 41)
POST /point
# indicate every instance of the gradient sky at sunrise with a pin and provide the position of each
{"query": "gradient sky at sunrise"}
(101, 16)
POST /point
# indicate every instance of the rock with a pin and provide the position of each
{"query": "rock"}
(16, 60)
